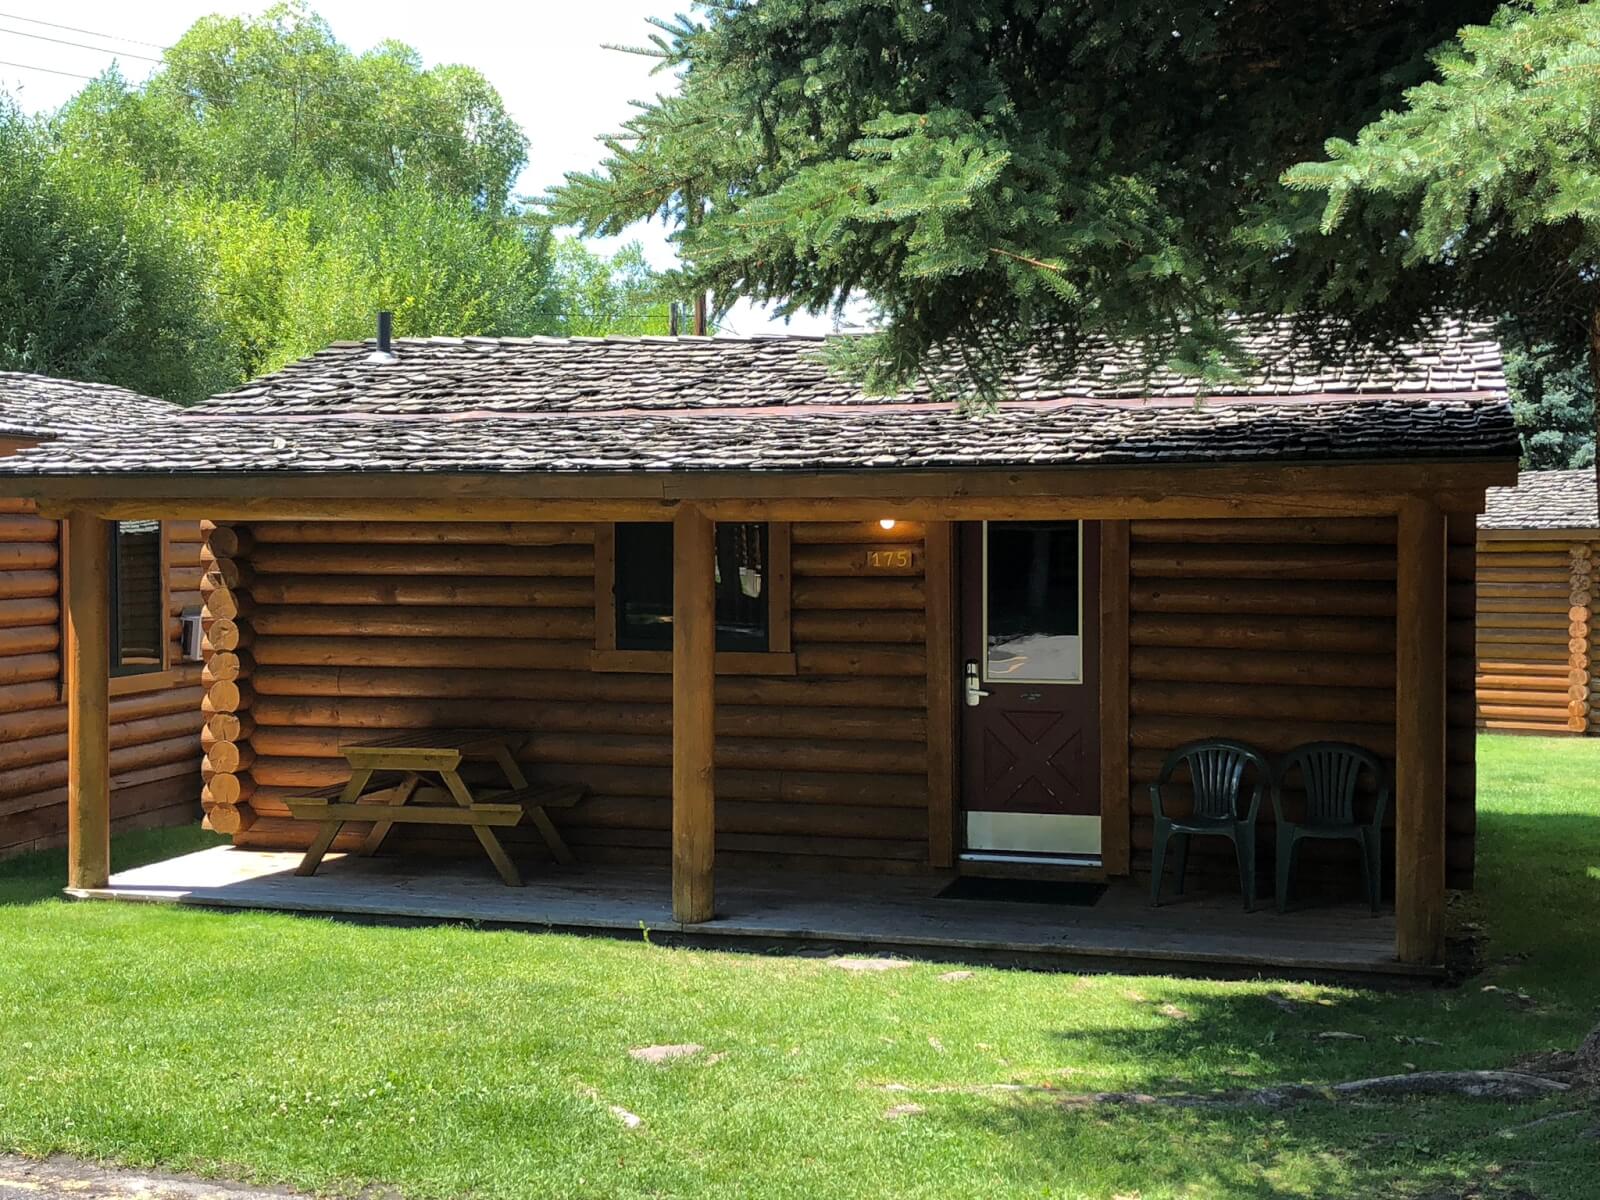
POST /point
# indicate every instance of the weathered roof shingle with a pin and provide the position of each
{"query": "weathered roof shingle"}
(905, 439)
(41, 406)
(435, 375)
(771, 404)
(1543, 500)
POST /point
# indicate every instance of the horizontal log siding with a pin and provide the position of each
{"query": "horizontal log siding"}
(1535, 607)
(1278, 633)
(342, 629)
(155, 750)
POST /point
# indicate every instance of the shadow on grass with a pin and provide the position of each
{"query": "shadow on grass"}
(1398, 1153)
(32, 878)
(1538, 897)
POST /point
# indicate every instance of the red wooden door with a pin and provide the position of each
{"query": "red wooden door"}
(1030, 640)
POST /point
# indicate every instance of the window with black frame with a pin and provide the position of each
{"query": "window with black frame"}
(138, 598)
(643, 584)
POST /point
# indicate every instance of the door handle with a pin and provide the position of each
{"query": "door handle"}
(974, 693)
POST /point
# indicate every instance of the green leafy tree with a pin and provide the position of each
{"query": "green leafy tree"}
(1005, 175)
(264, 193)
(239, 101)
(95, 281)
(1485, 183)
(593, 295)
(291, 276)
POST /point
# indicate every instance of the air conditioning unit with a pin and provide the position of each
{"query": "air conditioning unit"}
(192, 635)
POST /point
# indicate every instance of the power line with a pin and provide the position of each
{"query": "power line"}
(105, 37)
(41, 37)
(47, 70)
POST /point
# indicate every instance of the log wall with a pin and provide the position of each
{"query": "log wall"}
(155, 751)
(1536, 604)
(1279, 633)
(320, 631)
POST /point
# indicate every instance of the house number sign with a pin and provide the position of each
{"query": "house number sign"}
(892, 560)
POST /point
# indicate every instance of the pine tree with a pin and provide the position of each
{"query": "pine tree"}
(1553, 398)
(1486, 182)
(999, 175)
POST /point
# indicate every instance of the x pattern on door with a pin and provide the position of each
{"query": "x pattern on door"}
(1033, 762)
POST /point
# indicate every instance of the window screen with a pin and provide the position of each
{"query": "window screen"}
(138, 598)
(644, 586)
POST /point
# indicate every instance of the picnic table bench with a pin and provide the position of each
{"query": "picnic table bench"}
(401, 763)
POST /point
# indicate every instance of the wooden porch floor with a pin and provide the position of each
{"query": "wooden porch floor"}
(775, 911)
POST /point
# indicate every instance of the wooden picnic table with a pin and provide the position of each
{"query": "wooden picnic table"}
(401, 763)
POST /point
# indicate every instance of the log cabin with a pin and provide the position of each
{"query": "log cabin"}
(768, 623)
(154, 750)
(1538, 546)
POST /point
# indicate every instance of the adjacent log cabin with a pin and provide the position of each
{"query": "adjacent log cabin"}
(763, 618)
(1538, 549)
(154, 753)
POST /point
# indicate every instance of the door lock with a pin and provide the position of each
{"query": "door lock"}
(975, 693)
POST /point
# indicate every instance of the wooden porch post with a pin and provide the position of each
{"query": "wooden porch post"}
(940, 583)
(88, 669)
(694, 647)
(1116, 800)
(1419, 824)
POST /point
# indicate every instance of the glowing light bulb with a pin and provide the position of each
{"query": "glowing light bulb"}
(886, 523)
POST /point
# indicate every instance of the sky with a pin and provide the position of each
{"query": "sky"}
(547, 58)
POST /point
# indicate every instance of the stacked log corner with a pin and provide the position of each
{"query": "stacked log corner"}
(154, 749)
(1536, 601)
(224, 738)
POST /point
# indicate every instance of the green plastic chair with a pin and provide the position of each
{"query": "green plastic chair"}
(1217, 777)
(1330, 774)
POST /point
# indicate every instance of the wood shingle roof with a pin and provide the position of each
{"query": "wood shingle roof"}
(437, 375)
(1543, 500)
(41, 406)
(771, 404)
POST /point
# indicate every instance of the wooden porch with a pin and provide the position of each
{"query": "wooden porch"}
(803, 912)
(1407, 654)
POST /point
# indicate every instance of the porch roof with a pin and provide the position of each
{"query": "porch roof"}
(1388, 428)
(631, 405)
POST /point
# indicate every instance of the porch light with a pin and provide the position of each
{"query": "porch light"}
(885, 522)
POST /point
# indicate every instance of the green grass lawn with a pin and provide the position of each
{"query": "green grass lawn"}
(447, 1061)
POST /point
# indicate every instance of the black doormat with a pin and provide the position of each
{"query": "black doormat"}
(1024, 891)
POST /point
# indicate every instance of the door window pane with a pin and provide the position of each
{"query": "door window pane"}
(1032, 602)
(139, 599)
(644, 586)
